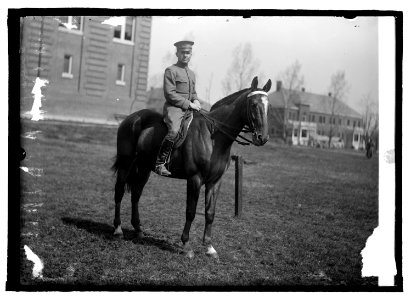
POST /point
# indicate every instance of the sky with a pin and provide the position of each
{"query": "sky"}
(322, 45)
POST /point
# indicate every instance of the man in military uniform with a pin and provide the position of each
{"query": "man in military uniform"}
(180, 94)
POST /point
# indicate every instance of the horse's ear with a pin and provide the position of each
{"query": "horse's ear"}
(267, 86)
(254, 84)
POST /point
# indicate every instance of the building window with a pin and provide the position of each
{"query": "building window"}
(67, 66)
(304, 133)
(355, 137)
(304, 117)
(339, 121)
(348, 122)
(120, 74)
(353, 124)
(124, 32)
(295, 132)
(334, 121)
(71, 23)
(290, 115)
(313, 118)
(359, 123)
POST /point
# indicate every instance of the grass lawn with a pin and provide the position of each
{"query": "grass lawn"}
(307, 214)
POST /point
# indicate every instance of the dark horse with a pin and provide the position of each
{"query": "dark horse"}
(202, 159)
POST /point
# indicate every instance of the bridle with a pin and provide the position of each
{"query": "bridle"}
(222, 127)
(249, 117)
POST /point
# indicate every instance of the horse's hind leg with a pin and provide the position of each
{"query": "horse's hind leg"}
(137, 187)
(118, 196)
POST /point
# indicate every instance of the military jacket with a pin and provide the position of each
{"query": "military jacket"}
(179, 87)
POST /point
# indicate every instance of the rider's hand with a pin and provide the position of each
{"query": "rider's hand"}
(198, 103)
(195, 105)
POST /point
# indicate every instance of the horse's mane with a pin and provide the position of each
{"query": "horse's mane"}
(228, 100)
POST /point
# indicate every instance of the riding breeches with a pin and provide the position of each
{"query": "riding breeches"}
(173, 116)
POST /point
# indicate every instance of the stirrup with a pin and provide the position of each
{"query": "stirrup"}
(162, 170)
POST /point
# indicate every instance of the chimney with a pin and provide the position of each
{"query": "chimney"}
(303, 89)
(279, 85)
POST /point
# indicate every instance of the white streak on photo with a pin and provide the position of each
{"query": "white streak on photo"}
(38, 264)
(33, 205)
(29, 192)
(36, 112)
(378, 254)
(32, 135)
(114, 21)
(30, 234)
(36, 172)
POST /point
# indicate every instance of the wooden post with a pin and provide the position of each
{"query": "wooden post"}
(238, 185)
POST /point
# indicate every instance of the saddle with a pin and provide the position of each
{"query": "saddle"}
(182, 133)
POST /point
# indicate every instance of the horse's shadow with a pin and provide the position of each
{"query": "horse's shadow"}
(105, 231)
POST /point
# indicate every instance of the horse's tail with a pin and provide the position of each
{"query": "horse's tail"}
(120, 162)
(127, 161)
(128, 167)
(124, 165)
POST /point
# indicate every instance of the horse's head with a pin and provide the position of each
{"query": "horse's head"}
(257, 111)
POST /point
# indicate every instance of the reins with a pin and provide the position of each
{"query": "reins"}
(220, 125)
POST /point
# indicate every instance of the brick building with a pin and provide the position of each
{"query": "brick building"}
(95, 70)
(307, 119)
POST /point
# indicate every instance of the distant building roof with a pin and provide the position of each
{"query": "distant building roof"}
(317, 103)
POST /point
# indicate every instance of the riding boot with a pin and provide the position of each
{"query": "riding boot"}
(163, 154)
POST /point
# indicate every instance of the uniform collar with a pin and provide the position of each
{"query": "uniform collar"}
(178, 64)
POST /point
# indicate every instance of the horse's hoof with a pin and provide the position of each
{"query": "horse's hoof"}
(118, 236)
(139, 235)
(190, 254)
(118, 233)
(213, 255)
(211, 252)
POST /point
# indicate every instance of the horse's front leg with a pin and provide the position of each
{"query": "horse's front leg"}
(211, 194)
(193, 192)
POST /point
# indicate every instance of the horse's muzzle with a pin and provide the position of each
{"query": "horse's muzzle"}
(259, 140)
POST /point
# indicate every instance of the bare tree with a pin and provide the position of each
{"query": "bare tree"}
(241, 70)
(338, 89)
(156, 80)
(370, 116)
(208, 88)
(292, 81)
